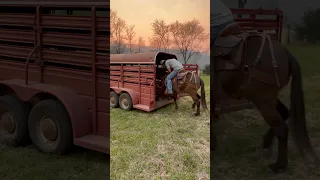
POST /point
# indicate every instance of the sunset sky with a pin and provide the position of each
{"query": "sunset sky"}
(142, 13)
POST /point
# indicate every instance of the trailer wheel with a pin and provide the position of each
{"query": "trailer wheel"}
(13, 121)
(50, 127)
(114, 99)
(125, 101)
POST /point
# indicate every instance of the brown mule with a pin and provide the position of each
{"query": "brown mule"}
(255, 67)
(189, 83)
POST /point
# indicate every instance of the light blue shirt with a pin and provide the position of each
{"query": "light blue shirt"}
(173, 64)
(219, 13)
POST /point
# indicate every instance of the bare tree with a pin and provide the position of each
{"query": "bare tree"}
(130, 34)
(118, 26)
(155, 43)
(113, 18)
(242, 3)
(141, 43)
(187, 37)
(161, 34)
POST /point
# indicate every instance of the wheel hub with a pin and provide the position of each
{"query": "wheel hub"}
(112, 100)
(7, 123)
(49, 129)
(125, 102)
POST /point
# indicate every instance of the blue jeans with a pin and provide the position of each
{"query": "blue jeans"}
(169, 77)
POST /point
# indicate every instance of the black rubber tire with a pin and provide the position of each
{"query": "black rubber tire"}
(127, 97)
(60, 117)
(115, 97)
(19, 111)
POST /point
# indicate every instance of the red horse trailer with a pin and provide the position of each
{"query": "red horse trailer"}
(258, 20)
(54, 78)
(136, 80)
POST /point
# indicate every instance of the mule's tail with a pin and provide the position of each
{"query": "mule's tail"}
(203, 95)
(297, 110)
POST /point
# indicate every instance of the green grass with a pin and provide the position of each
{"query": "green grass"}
(29, 164)
(240, 155)
(164, 144)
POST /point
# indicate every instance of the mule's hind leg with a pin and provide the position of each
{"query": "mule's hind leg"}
(194, 104)
(269, 136)
(196, 101)
(175, 100)
(280, 130)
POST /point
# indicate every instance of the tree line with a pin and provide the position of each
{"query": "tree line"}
(184, 38)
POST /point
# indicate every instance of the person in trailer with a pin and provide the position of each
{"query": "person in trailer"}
(174, 67)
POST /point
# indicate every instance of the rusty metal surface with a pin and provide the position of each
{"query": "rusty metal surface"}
(52, 21)
(52, 55)
(143, 58)
(72, 60)
(55, 39)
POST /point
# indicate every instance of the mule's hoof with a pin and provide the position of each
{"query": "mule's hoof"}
(276, 167)
(196, 114)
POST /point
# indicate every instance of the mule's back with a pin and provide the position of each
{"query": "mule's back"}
(239, 52)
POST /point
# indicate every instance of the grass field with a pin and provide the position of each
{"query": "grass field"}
(173, 144)
(240, 155)
(29, 164)
(164, 144)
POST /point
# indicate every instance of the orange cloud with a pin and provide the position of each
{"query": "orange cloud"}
(142, 13)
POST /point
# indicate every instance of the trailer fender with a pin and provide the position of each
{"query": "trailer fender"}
(76, 107)
(132, 93)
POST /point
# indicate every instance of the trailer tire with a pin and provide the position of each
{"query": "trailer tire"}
(125, 101)
(13, 117)
(50, 127)
(114, 99)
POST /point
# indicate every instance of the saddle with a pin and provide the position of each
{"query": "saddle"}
(229, 54)
(180, 75)
(230, 50)
(182, 79)
(231, 29)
